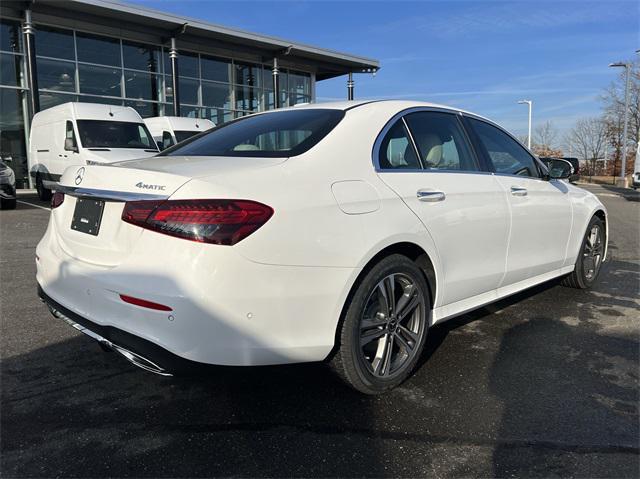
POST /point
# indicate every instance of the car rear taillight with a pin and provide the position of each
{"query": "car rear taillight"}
(224, 222)
(57, 199)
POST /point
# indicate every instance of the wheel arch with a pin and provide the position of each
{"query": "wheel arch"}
(409, 249)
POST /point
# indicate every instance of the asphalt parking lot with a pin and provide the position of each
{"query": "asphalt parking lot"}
(545, 383)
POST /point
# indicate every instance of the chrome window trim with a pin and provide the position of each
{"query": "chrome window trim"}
(108, 195)
(401, 114)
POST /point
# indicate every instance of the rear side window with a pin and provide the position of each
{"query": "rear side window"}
(506, 154)
(396, 150)
(269, 135)
(441, 141)
(167, 140)
(69, 134)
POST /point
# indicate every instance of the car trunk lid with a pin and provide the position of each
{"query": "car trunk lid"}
(88, 222)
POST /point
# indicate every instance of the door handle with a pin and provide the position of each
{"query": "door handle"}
(518, 191)
(430, 196)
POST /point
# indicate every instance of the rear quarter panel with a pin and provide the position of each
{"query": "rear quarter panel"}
(308, 227)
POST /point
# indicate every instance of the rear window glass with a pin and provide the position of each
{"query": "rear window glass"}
(270, 135)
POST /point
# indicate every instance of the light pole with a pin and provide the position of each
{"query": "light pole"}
(623, 170)
(530, 103)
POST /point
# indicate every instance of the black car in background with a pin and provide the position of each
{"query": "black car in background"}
(575, 176)
(7, 187)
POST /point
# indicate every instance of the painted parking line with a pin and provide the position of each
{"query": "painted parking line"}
(34, 205)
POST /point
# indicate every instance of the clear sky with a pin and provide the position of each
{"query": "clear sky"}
(482, 56)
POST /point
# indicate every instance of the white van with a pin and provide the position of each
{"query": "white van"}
(84, 134)
(169, 130)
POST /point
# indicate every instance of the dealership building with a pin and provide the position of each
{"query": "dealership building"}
(103, 51)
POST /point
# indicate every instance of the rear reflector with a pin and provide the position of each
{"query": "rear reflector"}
(223, 222)
(144, 303)
(56, 199)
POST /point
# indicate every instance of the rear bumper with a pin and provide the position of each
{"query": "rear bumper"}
(140, 352)
(226, 309)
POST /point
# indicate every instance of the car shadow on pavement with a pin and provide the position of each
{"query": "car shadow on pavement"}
(543, 390)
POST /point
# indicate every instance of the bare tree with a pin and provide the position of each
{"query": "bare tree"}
(587, 140)
(545, 135)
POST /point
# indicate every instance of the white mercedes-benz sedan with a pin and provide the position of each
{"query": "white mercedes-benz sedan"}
(337, 232)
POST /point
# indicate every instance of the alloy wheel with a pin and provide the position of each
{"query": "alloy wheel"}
(592, 253)
(392, 325)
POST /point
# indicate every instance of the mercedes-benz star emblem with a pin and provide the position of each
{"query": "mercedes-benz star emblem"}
(79, 176)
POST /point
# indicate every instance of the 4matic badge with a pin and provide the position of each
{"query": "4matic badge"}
(146, 186)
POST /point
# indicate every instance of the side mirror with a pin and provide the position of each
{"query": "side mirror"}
(70, 145)
(559, 169)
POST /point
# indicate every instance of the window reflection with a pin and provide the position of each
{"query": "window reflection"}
(99, 80)
(56, 75)
(10, 36)
(55, 43)
(95, 49)
(216, 94)
(140, 56)
(188, 91)
(99, 99)
(246, 74)
(216, 115)
(10, 71)
(144, 108)
(190, 111)
(215, 69)
(141, 85)
(188, 65)
(49, 99)
(247, 98)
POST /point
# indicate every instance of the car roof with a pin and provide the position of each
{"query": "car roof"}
(398, 105)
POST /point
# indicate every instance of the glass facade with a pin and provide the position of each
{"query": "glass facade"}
(74, 65)
(13, 101)
(78, 66)
(221, 89)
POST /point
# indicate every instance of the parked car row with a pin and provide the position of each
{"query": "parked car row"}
(91, 133)
(331, 232)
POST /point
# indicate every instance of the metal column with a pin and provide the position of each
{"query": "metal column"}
(173, 55)
(32, 69)
(276, 84)
(350, 85)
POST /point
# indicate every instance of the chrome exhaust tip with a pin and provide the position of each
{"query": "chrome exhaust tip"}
(140, 361)
(134, 358)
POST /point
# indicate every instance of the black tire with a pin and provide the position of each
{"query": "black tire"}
(585, 272)
(7, 204)
(43, 193)
(366, 316)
